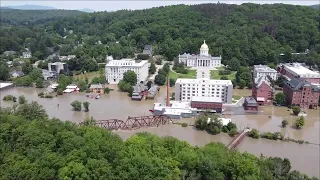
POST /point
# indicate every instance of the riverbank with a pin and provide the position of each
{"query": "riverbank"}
(119, 105)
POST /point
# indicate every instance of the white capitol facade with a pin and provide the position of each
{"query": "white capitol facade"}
(204, 59)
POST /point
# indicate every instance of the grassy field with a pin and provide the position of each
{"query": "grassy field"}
(89, 75)
(214, 74)
(192, 74)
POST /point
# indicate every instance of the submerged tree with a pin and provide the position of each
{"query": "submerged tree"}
(76, 105)
(86, 106)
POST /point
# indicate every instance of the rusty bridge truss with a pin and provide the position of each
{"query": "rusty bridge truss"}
(133, 122)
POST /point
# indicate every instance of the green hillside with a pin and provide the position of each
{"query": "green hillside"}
(244, 34)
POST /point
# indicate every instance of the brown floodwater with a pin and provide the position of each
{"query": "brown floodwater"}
(304, 158)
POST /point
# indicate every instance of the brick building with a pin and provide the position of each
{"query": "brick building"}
(262, 91)
(297, 70)
(302, 93)
(250, 104)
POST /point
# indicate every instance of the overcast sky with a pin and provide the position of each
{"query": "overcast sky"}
(120, 4)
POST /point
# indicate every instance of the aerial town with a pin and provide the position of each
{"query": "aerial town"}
(146, 84)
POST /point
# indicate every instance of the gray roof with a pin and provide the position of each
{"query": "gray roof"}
(139, 88)
(20, 73)
(260, 80)
(250, 100)
(148, 47)
(296, 84)
(96, 86)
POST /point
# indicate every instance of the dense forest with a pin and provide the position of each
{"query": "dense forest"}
(244, 34)
(35, 147)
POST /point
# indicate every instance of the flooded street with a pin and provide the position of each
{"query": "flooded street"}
(115, 105)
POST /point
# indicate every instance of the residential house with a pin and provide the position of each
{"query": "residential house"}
(97, 88)
(262, 91)
(147, 49)
(300, 92)
(139, 90)
(250, 104)
(17, 74)
(9, 63)
(26, 55)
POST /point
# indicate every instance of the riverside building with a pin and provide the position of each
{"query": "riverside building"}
(116, 68)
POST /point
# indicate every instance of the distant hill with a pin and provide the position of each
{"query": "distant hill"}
(31, 7)
(316, 6)
(87, 10)
(29, 17)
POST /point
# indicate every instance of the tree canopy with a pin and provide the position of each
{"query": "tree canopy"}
(35, 147)
(243, 35)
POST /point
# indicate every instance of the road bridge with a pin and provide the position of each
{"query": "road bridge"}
(132, 122)
(238, 138)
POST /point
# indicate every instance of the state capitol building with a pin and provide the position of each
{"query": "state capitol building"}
(204, 59)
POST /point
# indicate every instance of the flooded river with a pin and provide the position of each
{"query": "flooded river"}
(304, 158)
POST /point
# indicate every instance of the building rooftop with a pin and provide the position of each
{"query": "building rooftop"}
(260, 80)
(250, 100)
(96, 86)
(126, 62)
(263, 68)
(204, 80)
(206, 99)
(297, 83)
(300, 70)
(3, 85)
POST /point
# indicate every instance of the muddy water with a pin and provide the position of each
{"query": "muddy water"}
(118, 105)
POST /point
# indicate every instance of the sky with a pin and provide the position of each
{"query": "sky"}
(108, 5)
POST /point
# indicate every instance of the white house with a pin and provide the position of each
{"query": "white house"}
(186, 89)
(264, 70)
(204, 59)
(116, 68)
(26, 55)
(57, 67)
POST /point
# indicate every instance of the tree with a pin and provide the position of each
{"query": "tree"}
(4, 71)
(242, 84)
(284, 123)
(299, 123)
(22, 99)
(39, 83)
(86, 106)
(23, 81)
(82, 85)
(149, 84)
(27, 68)
(130, 77)
(172, 82)
(234, 64)
(152, 68)
(32, 111)
(279, 82)
(254, 133)
(143, 56)
(35, 74)
(280, 98)
(160, 79)
(107, 90)
(224, 77)
(76, 105)
(296, 110)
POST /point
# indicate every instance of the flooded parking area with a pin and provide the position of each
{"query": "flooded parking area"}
(116, 105)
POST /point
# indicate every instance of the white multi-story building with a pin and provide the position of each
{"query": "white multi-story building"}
(297, 70)
(264, 70)
(116, 68)
(26, 55)
(204, 59)
(57, 67)
(185, 89)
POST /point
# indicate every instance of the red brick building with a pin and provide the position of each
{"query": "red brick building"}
(262, 91)
(302, 93)
(250, 104)
(297, 70)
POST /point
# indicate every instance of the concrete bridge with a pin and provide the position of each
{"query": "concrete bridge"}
(238, 138)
